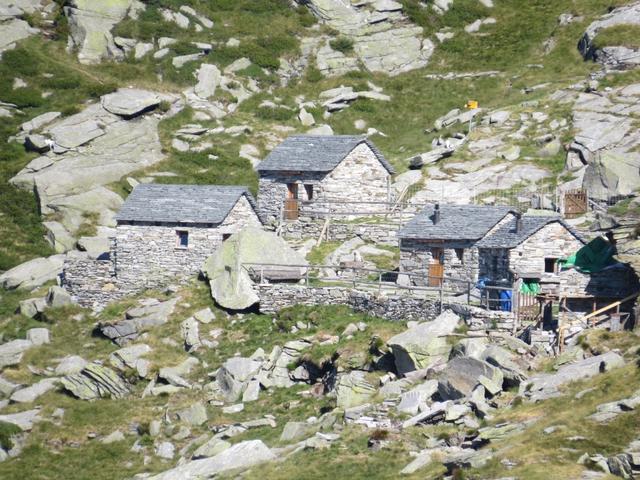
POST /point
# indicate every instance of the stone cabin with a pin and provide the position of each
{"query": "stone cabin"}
(441, 241)
(332, 168)
(164, 231)
(527, 247)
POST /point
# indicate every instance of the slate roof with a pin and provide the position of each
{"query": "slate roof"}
(507, 237)
(316, 153)
(183, 204)
(457, 222)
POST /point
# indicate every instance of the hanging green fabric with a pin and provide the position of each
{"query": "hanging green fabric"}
(529, 288)
(594, 257)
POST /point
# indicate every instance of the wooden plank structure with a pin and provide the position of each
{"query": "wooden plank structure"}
(575, 203)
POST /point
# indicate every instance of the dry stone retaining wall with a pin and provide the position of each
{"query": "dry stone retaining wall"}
(274, 297)
(304, 227)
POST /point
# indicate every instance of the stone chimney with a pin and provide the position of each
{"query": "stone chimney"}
(436, 213)
(518, 222)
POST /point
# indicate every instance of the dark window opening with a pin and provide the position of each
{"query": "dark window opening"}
(183, 239)
(460, 254)
(309, 190)
(225, 236)
(550, 265)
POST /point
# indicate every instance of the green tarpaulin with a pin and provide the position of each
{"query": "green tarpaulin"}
(530, 288)
(594, 257)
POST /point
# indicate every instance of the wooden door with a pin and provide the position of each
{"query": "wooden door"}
(436, 267)
(575, 203)
(291, 202)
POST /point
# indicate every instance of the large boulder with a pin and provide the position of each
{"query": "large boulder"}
(137, 320)
(237, 457)
(33, 274)
(227, 269)
(90, 25)
(96, 381)
(463, 374)
(234, 375)
(130, 102)
(11, 352)
(512, 366)
(14, 30)
(424, 344)
(354, 389)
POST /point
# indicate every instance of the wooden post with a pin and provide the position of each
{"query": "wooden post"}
(262, 274)
(468, 293)
(306, 276)
(441, 288)
(379, 283)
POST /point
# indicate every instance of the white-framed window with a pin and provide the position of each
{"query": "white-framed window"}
(182, 239)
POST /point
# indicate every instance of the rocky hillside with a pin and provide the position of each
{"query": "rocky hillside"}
(96, 97)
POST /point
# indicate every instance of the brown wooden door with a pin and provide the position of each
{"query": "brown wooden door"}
(436, 267)
(291, 202)
(575, 203)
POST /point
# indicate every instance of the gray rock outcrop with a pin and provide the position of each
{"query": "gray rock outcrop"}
(96, 381)
(463, 374)
(546, 385)
(33, 274)
(237, 457)
(137, 320)
(94, 148)
(423, 345)
(90, 25)
(613, 56)
(383, 39)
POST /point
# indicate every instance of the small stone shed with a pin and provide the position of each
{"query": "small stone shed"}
(441, 241)
(164, 231)
(336, 168)
(527, 247)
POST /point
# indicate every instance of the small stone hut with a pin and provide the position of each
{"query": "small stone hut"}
(441, 241)
(527, 247)
(164, 231)
(336, 168)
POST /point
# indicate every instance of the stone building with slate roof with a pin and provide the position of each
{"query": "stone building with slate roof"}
(164, 231)
(527, 247)
(440, 241)
(340, 168)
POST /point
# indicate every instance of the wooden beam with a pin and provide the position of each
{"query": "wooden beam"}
(610, 306)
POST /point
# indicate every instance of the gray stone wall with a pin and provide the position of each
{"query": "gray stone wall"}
(274, 297)
(359, 177)
(416, 255)
(551, 241)
(305, 227)
(92, 283)
(494, 264)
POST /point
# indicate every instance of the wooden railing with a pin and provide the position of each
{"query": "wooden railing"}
(377, 280)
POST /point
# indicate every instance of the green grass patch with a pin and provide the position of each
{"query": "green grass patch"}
(618, 36)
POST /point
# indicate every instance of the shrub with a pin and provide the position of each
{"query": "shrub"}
(313, 74)
(25, 97)
(8, 430)
(277, 114)
(342, 44)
